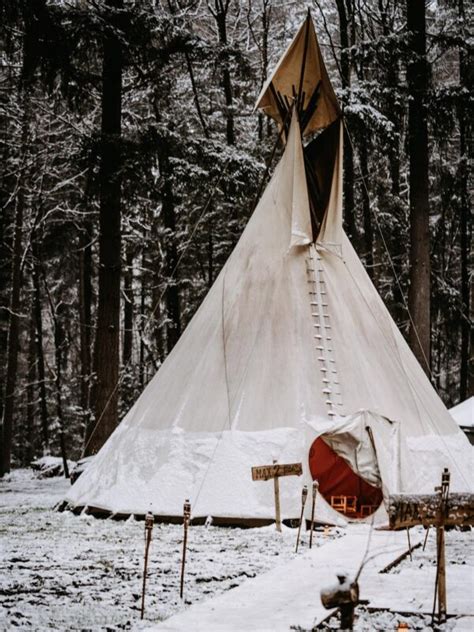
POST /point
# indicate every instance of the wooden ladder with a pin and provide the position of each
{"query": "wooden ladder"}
(322, 336)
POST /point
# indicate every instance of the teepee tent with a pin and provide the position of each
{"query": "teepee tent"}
(292, 356)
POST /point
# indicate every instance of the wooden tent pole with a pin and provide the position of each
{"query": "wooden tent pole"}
(299, 105)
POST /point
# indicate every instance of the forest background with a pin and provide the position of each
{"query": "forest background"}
(131, 159)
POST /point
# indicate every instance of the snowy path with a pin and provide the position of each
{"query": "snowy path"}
(287, 597)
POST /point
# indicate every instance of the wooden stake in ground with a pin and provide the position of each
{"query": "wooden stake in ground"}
(148, 529)
(409, 544)
(304, 495)
(313, 506)
(265, 472)
(440, 583)
(186, 519)
(276, 483)
(440, 510)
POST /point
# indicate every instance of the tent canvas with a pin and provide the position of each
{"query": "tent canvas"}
(291, 343)
(463, 413)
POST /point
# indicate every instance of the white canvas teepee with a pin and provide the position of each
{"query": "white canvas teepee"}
(291, 343)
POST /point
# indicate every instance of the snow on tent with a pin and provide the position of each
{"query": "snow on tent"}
(463, 415)
(292, 356)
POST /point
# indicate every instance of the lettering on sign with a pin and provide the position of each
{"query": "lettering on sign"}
(266, 472)
(410, 510)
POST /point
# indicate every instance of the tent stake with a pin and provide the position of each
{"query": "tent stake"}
(313, 505)
(426, 536)
(409, 544)
(186, 517)
(304, 495)
(440, 581)
(148, 529)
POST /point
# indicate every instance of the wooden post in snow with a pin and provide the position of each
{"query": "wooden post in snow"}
(148, 529)
(304, 495)
(439, 510)
(186, 519)
(313, 506)
(276, 484)
(266, 472)
(440, 584)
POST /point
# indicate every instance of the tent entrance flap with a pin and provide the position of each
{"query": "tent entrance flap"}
(341, 487)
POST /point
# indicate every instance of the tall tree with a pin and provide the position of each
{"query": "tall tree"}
(419, 295)
(220, 13)
(345, 10)
(107, 341)
(14, 315)
(466, 75)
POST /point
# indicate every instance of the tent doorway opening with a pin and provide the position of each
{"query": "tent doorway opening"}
(340, 486)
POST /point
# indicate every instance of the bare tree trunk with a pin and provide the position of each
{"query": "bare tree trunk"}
(38, 317)
(210, 256)
(128, 308)
(85, 311)
(141, 359)
(107, 342)
(465, 130)
(349, 201)
(368, 229)
(220, 16)
(29, 438)
(420, 269)
(58, 347)
(263, 46)
(173, 309)
(15, 303)
(196, 95)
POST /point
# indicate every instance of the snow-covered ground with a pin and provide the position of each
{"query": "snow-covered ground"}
(62, 572)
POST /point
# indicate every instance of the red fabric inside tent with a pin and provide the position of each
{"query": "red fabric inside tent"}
(336, 478)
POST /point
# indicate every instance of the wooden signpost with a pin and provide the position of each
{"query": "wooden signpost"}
(440, 510)
(266, 472)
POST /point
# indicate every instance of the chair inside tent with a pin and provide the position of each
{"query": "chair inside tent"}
(341, 487)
